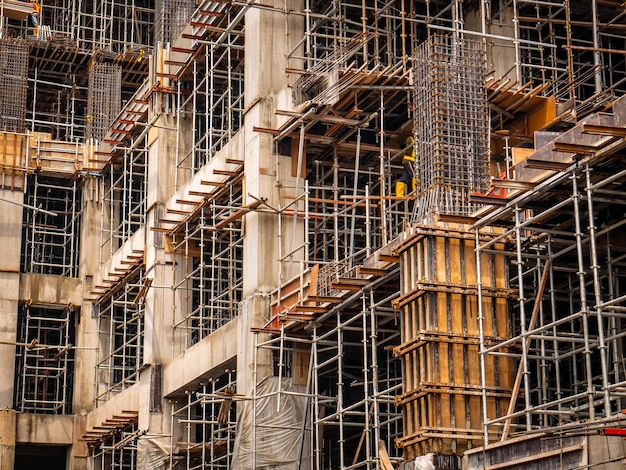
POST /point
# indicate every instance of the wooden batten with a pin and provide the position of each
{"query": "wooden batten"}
(442, 392)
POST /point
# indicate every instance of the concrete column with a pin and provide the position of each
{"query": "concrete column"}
(10, 240)
(266, 49)
(253, 312)
(79, 452)
(7, 439)
(87, 327)
(154, 412)
(265, 240)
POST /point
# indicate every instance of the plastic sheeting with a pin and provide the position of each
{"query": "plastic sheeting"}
(153, 453)
(279, 431)
(425, 462)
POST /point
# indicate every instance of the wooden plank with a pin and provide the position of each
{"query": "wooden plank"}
(537, 164)
(459, 358)
(237, 215)
(325, 299)
(457, 219)
(308, 309)
(443, 369)
(579, 149)
(371, 271)
(389, 258)
(225, 172)
(220, 184)
(188, 202)
(488, 200)
(596, 129)
(385, 463)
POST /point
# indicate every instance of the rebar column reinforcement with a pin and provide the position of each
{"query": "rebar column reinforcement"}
(13, 83)
(451, 125)
(104, 99)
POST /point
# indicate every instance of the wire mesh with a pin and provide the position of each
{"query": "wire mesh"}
(104, 98)
(171, 17)
(451, 125)
(13, 83)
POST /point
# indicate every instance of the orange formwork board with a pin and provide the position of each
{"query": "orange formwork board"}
(54, 157)
(13, 160)
(440, 344)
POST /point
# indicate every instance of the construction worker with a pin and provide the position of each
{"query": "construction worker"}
(408, 175)
(35, 17)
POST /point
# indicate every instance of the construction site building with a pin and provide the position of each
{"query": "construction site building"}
(296, 234)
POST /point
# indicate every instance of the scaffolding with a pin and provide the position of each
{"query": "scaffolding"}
(589, 70)
(211, 91)
(45, 359)
(205, 420)
(341, 366)
(114, 26)
(118, 449)
(566, 269)
(124, 197)
(51, 225)
(211, 281)
(46, 89)
(121, 336)
(373, 74)
(13, 84)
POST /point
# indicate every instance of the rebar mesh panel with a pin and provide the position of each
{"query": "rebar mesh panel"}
(171, 17)
(451, 123)
(104, 98)
(13, 83)
(321, 83)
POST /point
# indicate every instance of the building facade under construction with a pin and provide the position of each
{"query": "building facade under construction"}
(295, 234)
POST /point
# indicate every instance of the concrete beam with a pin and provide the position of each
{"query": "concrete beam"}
(49, 289)
(188, 369)
(45, 429)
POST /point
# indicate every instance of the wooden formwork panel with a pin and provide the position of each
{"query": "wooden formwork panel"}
(13, 160)
(21, 154)
(442, 394)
